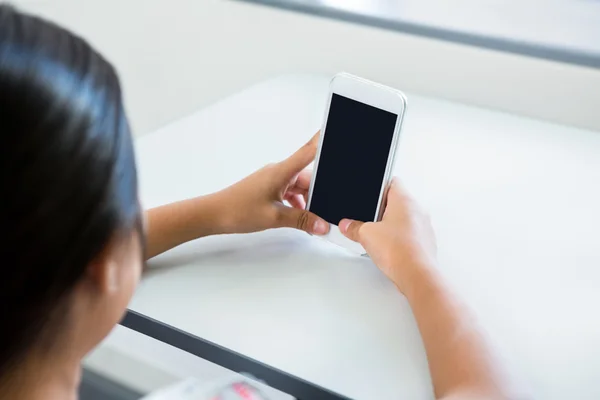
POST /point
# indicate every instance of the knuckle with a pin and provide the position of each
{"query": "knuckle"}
(356, 230)
(302, 223)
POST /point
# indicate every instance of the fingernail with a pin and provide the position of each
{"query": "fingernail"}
(344, 224)
(320, 227)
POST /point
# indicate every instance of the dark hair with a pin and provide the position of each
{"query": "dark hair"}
(68, 171)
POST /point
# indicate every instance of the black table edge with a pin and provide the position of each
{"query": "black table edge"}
(292, 385)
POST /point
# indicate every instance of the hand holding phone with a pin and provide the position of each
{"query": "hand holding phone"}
(402, 244)
(356, 154)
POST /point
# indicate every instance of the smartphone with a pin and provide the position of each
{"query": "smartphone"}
(356, 154)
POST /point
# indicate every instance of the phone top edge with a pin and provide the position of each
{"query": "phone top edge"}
(368, 92)
(365, 81)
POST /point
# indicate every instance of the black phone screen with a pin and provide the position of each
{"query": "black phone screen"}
(352, 162)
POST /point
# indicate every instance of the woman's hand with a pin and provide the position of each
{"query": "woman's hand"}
(402, 244)
(256, 203)
(253, 204)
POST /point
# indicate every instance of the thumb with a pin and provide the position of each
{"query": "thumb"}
(303, 220)
(351, 229)
(295, 163)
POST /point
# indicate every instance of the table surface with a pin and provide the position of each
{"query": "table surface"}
(515, 203)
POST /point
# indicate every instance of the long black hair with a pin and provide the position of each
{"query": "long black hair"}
(67, 169)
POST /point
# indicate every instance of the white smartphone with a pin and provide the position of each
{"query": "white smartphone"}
(356, 154)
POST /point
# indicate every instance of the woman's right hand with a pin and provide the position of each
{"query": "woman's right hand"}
(403, 244)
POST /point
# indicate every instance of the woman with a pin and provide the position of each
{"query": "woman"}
(75, 241)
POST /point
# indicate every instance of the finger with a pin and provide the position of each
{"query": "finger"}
(397, 198)
(296, 201)
(351, 229)
(294, 164)
(297, 190)
(302, 220)
(304, 178)
(398, 189)
(301, 184)
(287, 196)
(396, 185)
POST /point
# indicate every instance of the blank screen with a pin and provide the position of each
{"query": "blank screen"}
(352, 162)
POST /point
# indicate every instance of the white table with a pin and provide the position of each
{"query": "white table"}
(516, 205)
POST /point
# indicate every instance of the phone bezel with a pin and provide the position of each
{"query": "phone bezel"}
(376, 95)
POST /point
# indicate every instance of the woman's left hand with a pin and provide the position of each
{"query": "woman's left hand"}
(256, 203)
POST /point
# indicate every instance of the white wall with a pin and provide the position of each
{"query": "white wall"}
(179, 55)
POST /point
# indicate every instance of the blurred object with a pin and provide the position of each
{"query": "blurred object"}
(240, 391)
(95, 386)
(149, 367)
(192, 389)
